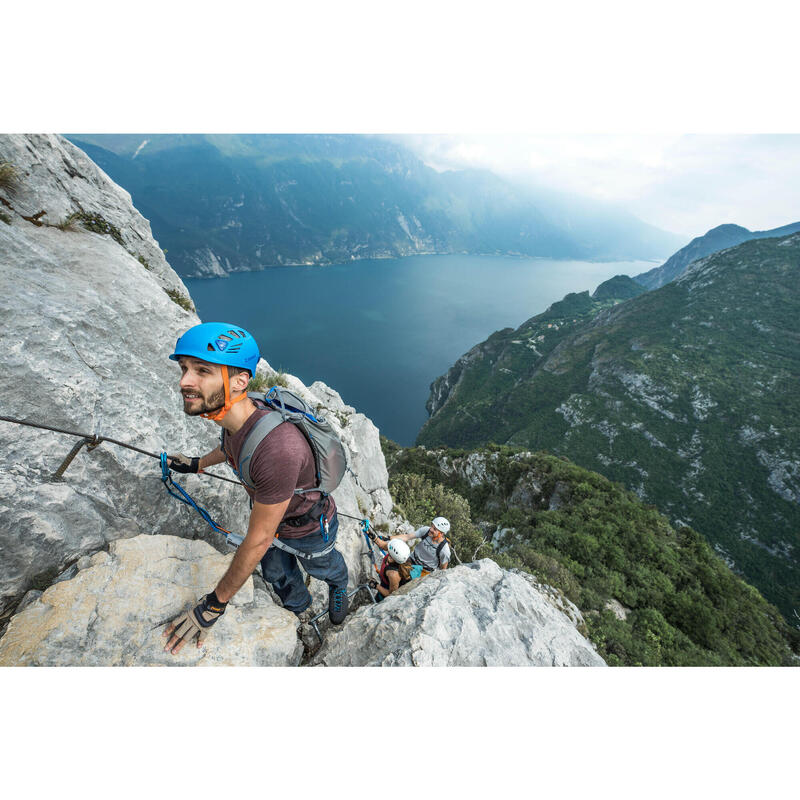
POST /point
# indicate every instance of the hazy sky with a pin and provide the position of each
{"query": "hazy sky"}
(681, 183)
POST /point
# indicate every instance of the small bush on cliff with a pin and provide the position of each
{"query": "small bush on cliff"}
(180, 299)
(9, 177)
(143, 261)
(71, 223)
(263, 383)
(98, 224)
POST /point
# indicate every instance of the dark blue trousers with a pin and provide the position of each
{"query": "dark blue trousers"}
(281, 569)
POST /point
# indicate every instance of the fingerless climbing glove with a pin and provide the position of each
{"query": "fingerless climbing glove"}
(182, 463)
(194, 623)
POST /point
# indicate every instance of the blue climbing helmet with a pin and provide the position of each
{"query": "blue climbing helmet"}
(219, 343)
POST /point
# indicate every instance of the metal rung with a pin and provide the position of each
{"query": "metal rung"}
(90, 445)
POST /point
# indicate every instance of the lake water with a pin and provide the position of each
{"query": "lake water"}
(379, 332)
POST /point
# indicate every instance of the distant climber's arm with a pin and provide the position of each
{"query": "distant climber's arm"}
(394, 581)
(264, 521)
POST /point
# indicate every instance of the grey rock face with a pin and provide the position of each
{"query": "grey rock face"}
(56, 179)
(89, 331)
(473, 615)
(113, 612)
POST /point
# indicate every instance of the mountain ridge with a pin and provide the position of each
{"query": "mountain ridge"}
(221, 204)
(714, 240)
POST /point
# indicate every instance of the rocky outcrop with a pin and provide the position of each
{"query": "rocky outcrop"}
(112, 613)
(58, 185)
(473, 615)
(445, 385)
(89, 328)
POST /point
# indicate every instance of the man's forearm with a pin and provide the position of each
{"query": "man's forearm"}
(245, 560)
(264, 521)
(216, 456)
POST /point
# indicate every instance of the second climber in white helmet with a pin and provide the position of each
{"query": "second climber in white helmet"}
(394, 570)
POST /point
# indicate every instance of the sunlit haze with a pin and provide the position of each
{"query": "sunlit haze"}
(684, 184)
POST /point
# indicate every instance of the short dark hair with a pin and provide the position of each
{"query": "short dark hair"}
(236, 370)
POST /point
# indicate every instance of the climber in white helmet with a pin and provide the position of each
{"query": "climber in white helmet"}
(432, 550)
(395, 569)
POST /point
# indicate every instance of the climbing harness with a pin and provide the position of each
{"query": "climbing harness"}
(232, 539)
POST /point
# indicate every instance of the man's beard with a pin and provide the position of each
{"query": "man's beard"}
(207, 406)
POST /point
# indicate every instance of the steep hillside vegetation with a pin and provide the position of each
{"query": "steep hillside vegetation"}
(687, 395)
(651, 594)
(221, 204)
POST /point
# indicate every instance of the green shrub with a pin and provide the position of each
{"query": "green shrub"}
(420, 500)
(264, 382)
(9, 177)
(97, 224)
(72, 223)
(5, 218)
(180, 299)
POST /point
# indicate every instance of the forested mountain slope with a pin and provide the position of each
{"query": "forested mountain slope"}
(650, 594)
(687, 395)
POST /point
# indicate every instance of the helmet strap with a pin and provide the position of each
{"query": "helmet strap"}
(218, 415)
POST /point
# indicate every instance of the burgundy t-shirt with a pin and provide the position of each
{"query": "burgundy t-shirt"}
(281, 463)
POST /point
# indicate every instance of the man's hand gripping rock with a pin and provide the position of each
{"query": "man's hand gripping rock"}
(193, 623)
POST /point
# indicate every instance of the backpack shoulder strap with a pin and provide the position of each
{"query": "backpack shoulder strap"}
(257, 434)
(441, 547)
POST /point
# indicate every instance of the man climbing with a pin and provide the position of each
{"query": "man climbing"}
(432, 550)
(217, 361)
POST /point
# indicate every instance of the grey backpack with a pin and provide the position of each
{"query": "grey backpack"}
(330, 457)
